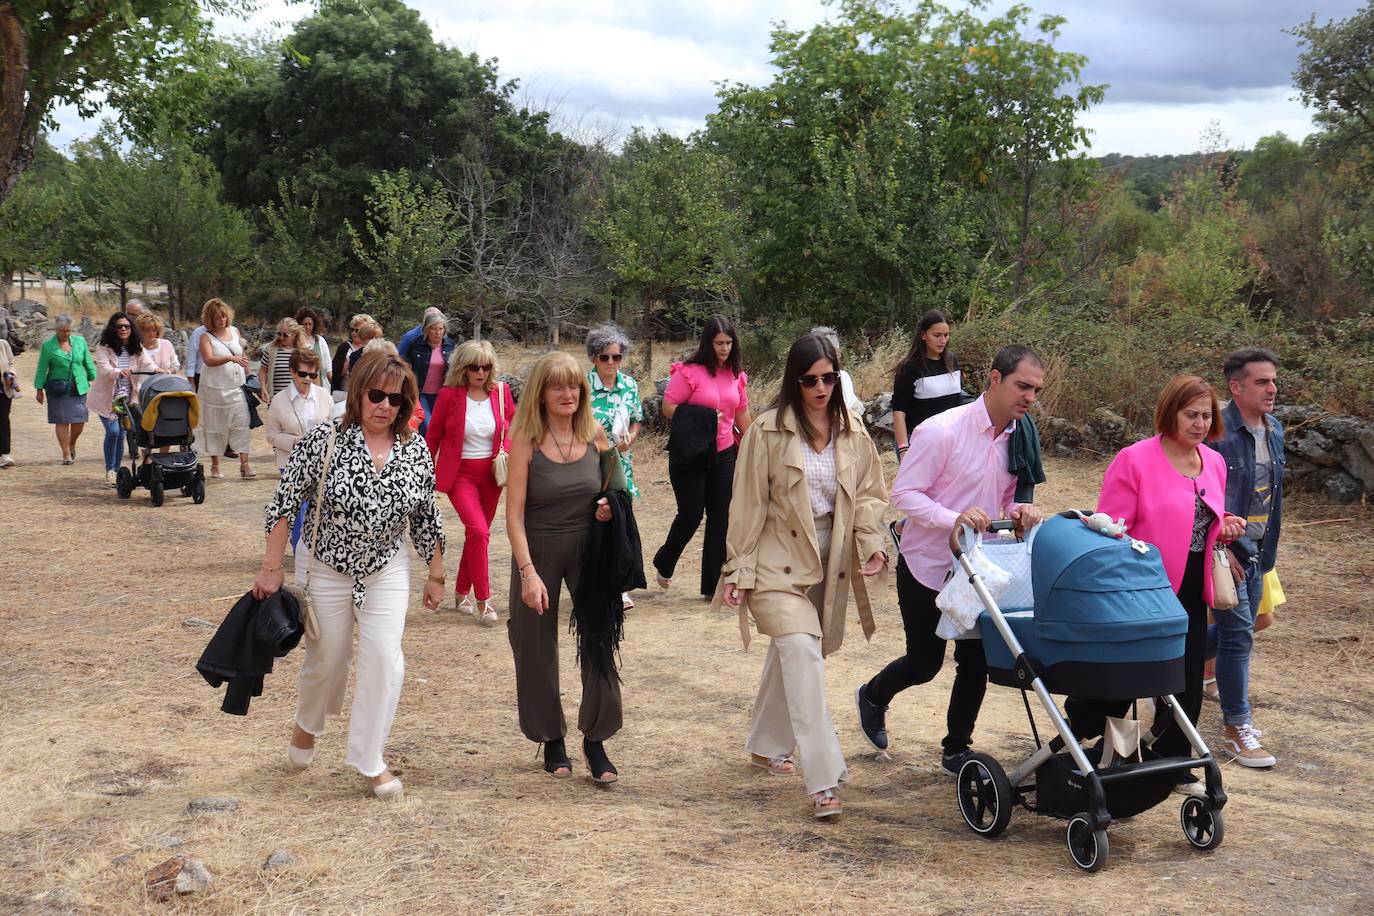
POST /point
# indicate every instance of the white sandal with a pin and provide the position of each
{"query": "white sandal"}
(778, 766)
(826, 803)
(465, 605)
(488, 615)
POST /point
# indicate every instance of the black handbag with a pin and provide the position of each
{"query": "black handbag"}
(63, 387)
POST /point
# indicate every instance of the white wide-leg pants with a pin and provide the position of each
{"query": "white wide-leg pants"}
(381, 665)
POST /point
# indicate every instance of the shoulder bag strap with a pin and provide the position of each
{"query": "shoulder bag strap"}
(319, 497)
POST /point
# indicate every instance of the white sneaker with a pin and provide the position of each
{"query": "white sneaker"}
(1243, 744)
(110, 478)
(6, 461)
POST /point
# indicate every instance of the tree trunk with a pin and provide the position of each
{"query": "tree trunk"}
(477, 326)
(145, 288)
(646, 334)
(553, 334)
(5, 279)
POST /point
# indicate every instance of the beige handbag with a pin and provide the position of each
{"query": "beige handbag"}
(1224, 596)
(302, 593)
(498, 464)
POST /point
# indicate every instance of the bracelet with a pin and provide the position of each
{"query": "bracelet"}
(438, 580)
(530, 563)
(533, 575)
(902, 448)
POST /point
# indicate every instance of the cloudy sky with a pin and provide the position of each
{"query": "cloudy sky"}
(1174, 66)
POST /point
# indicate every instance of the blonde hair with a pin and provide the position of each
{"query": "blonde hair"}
(468, 353)
(359, 320)
(216, 305)
(147, 320)
(369, 329)
(379, 344)
(290, 326)
(556, 368)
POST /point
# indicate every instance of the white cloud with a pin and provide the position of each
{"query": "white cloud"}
(1141, 129)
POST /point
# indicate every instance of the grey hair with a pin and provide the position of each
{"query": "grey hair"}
(63, 320)
(137, 302)
(829, 334)
(434, 317)
(380, 343)
(603, 335)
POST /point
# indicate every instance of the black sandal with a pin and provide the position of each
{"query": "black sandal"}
(602, 770)
(556, 758)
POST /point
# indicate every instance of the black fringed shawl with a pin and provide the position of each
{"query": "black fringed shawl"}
(612, 563)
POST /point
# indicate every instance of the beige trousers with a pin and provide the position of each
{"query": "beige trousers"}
(790, 711)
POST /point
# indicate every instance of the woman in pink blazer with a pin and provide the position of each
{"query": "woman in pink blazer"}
(469, 428)
(117, 357)
(1171, 491)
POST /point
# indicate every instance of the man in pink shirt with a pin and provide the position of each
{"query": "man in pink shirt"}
(955, 472)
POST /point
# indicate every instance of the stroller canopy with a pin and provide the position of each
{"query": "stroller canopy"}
(156, 393)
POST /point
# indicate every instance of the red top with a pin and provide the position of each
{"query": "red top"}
(445, 433)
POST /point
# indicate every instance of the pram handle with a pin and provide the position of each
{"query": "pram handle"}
(957, 533)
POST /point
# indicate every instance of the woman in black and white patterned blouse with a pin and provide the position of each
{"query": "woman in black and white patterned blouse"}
(380, 483)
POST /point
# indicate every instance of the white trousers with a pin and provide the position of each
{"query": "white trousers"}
(381, 666)
(790, 712)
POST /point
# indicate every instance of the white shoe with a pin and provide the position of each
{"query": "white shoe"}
(488, 615)
(300, 757)
(466, 606)
(389, 791)
(626, 602)
(1243, 744)
(6, 461)
(111, 477)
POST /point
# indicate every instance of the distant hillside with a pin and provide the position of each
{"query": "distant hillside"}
(1152, 176)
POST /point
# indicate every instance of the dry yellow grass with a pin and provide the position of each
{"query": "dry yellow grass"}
(108, 732)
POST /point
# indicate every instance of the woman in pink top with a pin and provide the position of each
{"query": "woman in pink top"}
(1172, 493)
(702, 475)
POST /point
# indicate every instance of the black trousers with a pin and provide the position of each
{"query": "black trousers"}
(1086, 716)
(698, 487)
(925, 654)
(4, 423)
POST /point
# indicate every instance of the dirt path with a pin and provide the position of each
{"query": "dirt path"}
(108, 732)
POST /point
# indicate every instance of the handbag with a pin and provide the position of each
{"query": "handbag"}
(62, 387)
(499, 464)
(302, 593)
(1224, 596)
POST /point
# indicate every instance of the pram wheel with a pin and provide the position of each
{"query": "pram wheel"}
(985, 795)
(155, 487)
(1088, 847)
(198, 490)
(124, 483)
(1202, 824)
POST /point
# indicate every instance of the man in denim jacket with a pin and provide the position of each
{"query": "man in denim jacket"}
(1253, 449)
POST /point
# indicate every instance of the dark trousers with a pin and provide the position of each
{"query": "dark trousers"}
(1086, 716)
(534, 643)
(699, 487)
(925, 654)
(4, 423)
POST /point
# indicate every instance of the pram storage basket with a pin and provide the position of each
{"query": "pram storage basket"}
(1106, 623)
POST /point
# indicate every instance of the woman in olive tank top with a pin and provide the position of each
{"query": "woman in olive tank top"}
(554, 474)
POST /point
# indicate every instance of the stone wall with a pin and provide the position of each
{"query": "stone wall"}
(1330, 453)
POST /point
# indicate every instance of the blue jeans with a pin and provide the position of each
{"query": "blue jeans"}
(1232, 636)
(427, 402)
(114, 443)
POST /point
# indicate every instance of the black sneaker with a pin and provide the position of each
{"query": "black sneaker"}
(951, 763)
(872, 719)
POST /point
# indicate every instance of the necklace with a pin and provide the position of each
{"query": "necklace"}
(566, 453)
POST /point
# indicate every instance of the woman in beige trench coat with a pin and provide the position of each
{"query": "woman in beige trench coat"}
(805, 522)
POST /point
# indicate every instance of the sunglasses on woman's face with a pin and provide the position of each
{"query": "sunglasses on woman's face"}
(828, 378)
(123, 327)
(610, 357)
(309, 375)
(474, 367)
(377, 395)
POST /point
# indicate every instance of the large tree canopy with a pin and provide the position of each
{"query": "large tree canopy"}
(360, 91)
(82, 51)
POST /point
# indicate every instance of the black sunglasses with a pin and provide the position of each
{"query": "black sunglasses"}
(829, 378)
(286, 333)
(121, 326)
(312, 375)
(610, 357)
(377, 395)
(474, 367)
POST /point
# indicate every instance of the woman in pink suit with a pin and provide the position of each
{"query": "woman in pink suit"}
(1171, 491)
(470, 427)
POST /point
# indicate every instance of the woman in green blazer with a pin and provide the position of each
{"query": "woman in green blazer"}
(65, 361)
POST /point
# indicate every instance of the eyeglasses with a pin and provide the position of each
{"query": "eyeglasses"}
(285, 334)
(474, 367)
(311, 375)
(377, 395)
(123, 327)
(610, 357)
(829, 379)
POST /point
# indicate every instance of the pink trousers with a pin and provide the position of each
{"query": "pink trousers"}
(474, 497)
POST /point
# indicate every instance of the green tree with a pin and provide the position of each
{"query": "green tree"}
(894, 150)
(31, 219)
(666, 226)
(1272, 170)
(405, 235)
(361, 89)
(1335, 75)
(294, 252)
(90, 53)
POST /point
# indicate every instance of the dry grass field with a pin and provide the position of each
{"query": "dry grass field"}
(108, 732)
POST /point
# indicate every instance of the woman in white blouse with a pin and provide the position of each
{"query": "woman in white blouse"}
(805, 524)
(305, 406)
(223, 370)
(379, 484)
